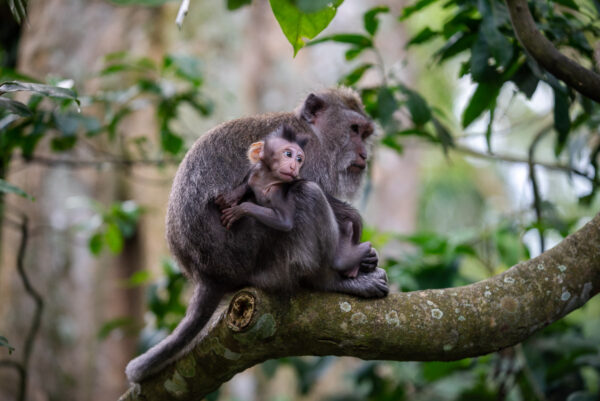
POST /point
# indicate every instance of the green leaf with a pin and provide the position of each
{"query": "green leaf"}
(391, 142)
(113, 238)
(46, 90)
(526, 80)
(95, 244)
(170, 142)
(15, 107)
(419, 5)
(425, 35)
(483, 99)
(7, 188)
(443, 135)
(139, 278)
(4, 343)
(312, 6)
(297, 25)
(479, 66)
(235, 4)
(349, 38)
(370, 19)
(488, 131)
(500, 47)
(114, 324)
(186, 67)
(353, 53)
(18, 9)
(386, 106)
(356, 74)
(568, 3)
(457, 44)
(562, 121)
(417, 106)
(433, 371)
(63, 143)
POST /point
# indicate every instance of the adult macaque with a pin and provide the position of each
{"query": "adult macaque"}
(218, 260)
(273, 182)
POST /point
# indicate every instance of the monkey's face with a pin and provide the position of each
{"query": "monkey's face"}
(360, 131)
(284, 159)
(349, 133)
(343, 130)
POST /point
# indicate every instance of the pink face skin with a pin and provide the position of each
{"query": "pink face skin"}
(285, 159)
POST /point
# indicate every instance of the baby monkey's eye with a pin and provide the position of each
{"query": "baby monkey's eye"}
(287, 153)
(299, 159)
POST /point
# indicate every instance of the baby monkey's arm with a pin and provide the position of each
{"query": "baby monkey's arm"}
(279, 216)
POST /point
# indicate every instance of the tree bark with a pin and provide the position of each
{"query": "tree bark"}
(443, 325)
(584, 81)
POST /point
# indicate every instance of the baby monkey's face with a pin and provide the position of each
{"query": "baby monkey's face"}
(284, 158)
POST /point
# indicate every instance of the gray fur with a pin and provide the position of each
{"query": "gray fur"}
(219, 260)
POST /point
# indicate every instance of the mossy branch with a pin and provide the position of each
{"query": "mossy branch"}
(583, 80)
(441, 325)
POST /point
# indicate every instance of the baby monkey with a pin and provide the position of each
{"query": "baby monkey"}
(275, 170)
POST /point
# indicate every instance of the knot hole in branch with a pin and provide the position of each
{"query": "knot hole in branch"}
(241, 310)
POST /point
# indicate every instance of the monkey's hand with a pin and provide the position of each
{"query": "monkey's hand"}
(226, 201)
(370, 261)
(231, 215)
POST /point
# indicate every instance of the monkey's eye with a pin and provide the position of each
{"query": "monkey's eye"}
(299, 159)
(354, 128)
(287, 153)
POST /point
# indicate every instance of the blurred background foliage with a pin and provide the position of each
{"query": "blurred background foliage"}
(507, 158)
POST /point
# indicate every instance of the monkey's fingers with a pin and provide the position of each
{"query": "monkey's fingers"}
(232, 220)
(369, 263)
(231, 201)
(226, 216)
(220, 202)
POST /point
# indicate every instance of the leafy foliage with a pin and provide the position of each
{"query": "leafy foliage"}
(18, 8)
(7, 188)
(112, 226)
(165, 298)
(297, 24)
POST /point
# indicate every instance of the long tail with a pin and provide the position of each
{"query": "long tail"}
(204, 301)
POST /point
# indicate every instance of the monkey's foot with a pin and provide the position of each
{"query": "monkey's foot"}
(365, 285)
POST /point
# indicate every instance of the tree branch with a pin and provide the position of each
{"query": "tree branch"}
(513, 159)
(442, 325)
(23, 366)
(584, 81)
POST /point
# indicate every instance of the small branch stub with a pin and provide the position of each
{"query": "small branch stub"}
(241, 311)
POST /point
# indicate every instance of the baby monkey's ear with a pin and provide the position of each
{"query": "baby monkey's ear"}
(255, 152)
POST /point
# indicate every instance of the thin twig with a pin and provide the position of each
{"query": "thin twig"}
(39, 306)
(78, 163)
(513, 159)
(183, 10)
(537, 198)
(529, 375)
(7, 363)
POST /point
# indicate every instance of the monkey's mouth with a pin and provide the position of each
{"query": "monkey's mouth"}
(289, 176)
(357, 167)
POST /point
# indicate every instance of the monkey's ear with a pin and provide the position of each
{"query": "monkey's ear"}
(312, 106)
(255, 152)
